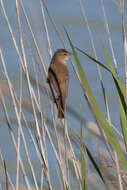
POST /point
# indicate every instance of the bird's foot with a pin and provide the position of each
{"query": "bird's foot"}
(57, 99)
(47, 80)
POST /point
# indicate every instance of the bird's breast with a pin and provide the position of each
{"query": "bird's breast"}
(60, 70)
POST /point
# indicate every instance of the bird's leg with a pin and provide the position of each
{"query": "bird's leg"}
(58, 98)
(47, 80)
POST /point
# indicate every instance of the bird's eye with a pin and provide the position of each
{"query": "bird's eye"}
(64, 53)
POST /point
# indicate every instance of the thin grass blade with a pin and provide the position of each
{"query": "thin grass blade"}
(101, 120)
(83, 165)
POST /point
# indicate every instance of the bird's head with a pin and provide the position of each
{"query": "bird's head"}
(62, 55)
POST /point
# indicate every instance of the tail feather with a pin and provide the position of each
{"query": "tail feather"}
(60, 108)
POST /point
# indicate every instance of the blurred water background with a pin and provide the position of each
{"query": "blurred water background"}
(67, 13)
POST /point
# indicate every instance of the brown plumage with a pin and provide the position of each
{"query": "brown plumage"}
(58, 77)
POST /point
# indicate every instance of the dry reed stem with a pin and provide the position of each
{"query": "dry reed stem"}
(100, 78)
(33, 37)
(46, 29)
(33, 97)
(19, 129)
(61, 39)
(61, 159)
(17, 50)
(91, 37)
(37, 103)
(25, 103)
(17, 164)
(122, 6)
(8, 177)
(19, 124)
(111, 173)
(118, 172)
(13, 140)
(109, 35)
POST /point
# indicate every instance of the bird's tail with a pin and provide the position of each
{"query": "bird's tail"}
(61, 108)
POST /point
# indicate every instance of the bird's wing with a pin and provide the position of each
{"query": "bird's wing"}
(64, 89)
(54, 81)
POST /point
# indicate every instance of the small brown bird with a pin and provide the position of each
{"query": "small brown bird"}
(58, 78)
